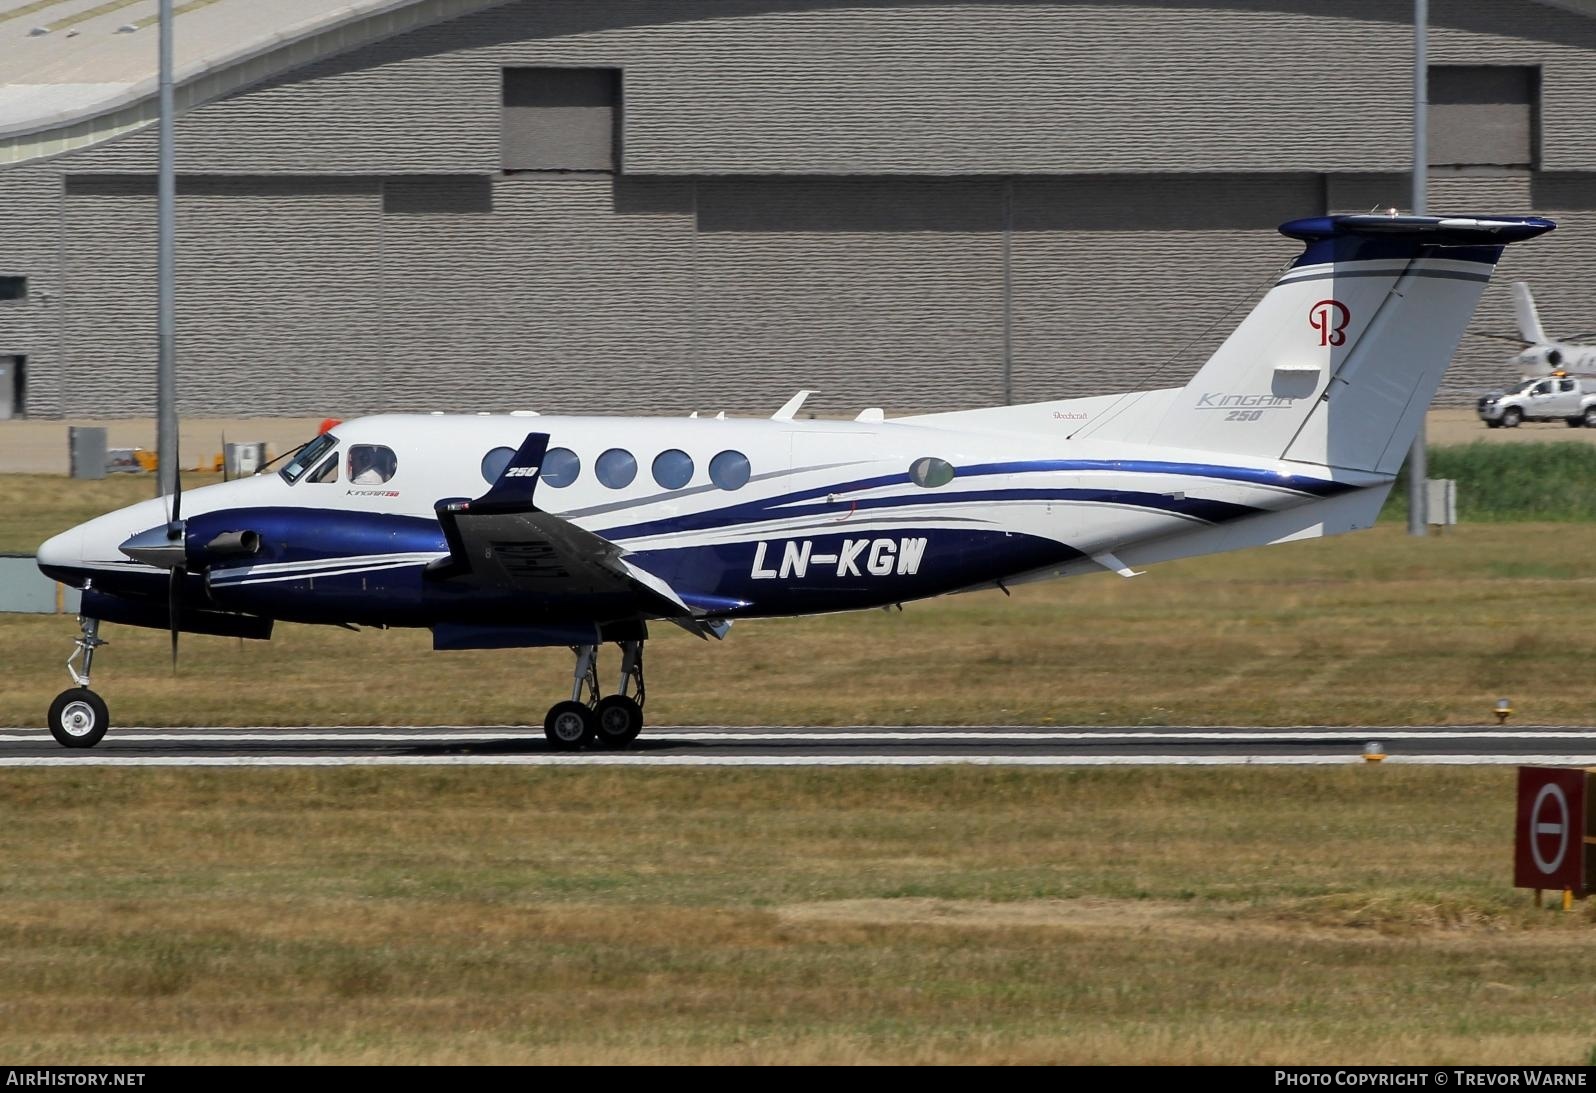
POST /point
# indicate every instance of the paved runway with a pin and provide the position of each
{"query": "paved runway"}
(859, 745)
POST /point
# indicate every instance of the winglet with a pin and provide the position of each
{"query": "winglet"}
(792, 405)
(512, 490)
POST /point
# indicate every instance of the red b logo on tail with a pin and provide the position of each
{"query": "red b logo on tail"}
(1330, 318)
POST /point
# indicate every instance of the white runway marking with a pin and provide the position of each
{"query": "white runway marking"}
(376, 734)
(600, 760)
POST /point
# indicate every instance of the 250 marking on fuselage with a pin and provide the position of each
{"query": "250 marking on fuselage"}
(854, 558)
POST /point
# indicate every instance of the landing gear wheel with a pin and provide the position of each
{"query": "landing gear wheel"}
(619, 721)
(78, 718)
(570, 725)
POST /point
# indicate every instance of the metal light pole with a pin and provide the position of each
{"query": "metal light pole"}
(165, 270)
(1418, 462)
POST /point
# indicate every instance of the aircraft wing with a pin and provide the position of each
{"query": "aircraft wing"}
(502, 540)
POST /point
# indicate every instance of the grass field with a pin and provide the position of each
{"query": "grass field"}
(952, 915)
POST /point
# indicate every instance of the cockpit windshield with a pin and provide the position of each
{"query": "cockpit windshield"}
(307, 456)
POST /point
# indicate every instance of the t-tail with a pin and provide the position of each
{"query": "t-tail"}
(1529, 320)
(1337, 364)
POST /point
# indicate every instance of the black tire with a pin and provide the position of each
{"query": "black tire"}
(619, 721)
(1490, 424)
(1574, 422)
(1511, 417)
(78, 718)
(1589, 419)
(569, 726)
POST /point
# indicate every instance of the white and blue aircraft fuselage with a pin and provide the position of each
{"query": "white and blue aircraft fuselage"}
(519, 530)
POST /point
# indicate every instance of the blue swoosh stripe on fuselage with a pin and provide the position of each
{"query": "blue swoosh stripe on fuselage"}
(1255, 476)
(750, 512)
(1194, 507)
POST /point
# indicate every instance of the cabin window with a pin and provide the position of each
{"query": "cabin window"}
(494, 462)
(307, 457)
(930, 472)
(560, 468)
(616, 468)
(673, 469)
(371, 464)
(327, 472)
(729, 470)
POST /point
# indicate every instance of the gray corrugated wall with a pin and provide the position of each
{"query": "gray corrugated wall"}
(302, 296)
(818, 87)
(30, 210)
(671, 294)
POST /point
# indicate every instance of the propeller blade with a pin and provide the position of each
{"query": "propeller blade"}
(224, 457)
(174, 595)
(1577, 337)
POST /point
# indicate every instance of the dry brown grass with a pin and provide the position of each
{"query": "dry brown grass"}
(805, 916)
(1372, 628)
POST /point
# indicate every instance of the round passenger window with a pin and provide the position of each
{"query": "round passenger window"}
(931, 472)
(494, 462)
(616, 468)
(729, 470)
(560, 468)
(673, 469)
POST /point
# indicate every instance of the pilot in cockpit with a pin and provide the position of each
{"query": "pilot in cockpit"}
(370, 464)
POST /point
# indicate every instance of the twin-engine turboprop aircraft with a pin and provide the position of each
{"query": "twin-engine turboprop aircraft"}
(517, 531)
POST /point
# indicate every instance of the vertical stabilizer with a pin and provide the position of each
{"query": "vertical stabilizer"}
(1337, 364)
(1529, 320)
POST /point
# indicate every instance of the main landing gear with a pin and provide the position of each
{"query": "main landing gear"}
(78, 717)
(613, 721)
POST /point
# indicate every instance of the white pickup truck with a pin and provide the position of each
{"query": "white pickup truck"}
(1547, 398)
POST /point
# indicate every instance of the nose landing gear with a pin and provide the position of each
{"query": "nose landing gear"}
(78, 717)
(613, 721)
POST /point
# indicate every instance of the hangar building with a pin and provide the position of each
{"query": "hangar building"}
(669, 205)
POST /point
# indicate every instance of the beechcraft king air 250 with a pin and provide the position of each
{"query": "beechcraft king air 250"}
(519, 530)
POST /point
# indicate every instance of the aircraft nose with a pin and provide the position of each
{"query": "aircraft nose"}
(64, 551)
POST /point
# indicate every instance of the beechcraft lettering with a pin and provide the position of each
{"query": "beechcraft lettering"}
(877, 557)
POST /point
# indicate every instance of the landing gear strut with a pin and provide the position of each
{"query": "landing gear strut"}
(613, 721)
(78, 717)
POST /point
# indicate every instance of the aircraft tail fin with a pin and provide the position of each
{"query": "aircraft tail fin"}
(1338, 362)
(1529, 320)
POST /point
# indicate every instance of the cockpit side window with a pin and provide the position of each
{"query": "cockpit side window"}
(327, 472)
(308, 457)
(371, 464)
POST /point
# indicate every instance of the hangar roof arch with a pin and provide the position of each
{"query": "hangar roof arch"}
(75, 73)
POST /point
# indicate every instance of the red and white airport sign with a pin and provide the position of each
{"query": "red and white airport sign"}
(1551, 844)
